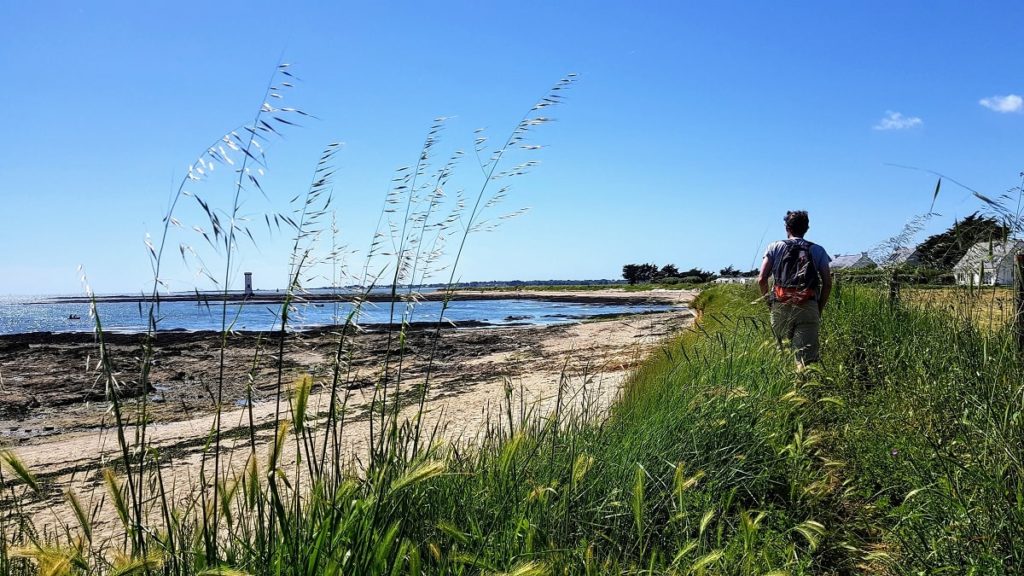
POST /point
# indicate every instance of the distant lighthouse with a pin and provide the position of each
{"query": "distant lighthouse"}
(248, 284)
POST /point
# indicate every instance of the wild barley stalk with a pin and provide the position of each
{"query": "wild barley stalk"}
(249, 146)
(408, 186)
(210, 532)
(194, 174)
(133, 525)
(420, 263)
(313, 207)
(489, 169)
(308, 215)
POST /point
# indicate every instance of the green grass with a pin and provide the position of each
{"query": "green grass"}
(931, 433)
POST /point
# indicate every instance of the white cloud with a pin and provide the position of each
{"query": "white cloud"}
(1003, 104)
(896, 121)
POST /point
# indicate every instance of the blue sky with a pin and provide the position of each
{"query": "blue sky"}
(692, 128)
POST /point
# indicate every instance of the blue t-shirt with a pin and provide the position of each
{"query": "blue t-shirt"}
(818, 255)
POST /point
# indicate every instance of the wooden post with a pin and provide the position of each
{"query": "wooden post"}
(1018, 288)
(894, 291)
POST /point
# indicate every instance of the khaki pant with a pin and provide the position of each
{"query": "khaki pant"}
(798, 323)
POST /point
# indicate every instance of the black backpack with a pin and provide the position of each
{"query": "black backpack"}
(795, 268)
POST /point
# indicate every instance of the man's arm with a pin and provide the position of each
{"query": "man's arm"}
(762, 279)
(826, 288)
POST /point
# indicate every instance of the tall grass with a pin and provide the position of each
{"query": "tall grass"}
(931, 431)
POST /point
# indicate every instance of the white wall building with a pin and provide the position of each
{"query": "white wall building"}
(988, 263)
(736, 280)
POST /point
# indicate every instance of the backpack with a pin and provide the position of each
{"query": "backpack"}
(796, 277)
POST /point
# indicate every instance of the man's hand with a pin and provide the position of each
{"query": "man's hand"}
(826, 289)
(762, 279)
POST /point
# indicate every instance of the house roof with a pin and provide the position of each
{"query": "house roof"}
(840, 261)
(991, 253)
(899, 255)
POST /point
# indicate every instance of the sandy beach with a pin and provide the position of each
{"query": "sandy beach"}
(52, 412)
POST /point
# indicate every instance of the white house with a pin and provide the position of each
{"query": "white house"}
(736, 280)
(851, 261)
(988, 263)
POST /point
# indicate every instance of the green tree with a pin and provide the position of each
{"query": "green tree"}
(648, 272)
(631, 272)
(942, 251)
(639, 273)
(668, 271)
(702, 275)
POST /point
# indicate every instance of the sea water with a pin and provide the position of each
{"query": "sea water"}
(36, 314)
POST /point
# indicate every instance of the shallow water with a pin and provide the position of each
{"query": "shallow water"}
(23, 315)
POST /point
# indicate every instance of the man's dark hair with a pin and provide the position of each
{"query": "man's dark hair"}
(797, 222)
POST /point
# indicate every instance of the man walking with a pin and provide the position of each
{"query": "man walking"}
(801, 289)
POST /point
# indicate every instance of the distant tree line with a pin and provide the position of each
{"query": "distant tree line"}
(642, 273)
(730, 272)
(670, 274)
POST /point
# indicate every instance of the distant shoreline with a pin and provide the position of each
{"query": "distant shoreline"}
(594, 296)
(663, 299)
